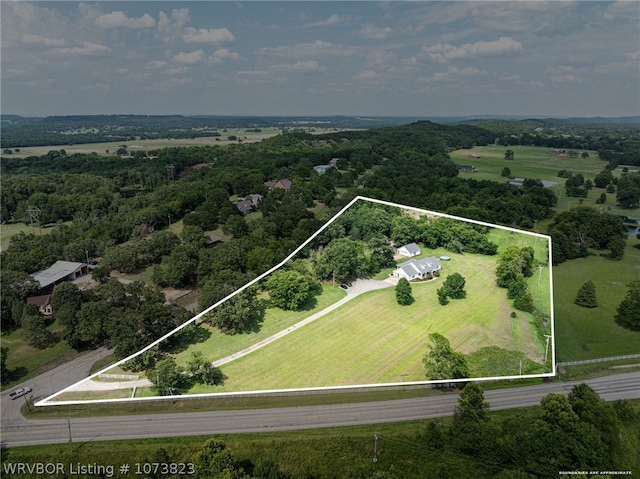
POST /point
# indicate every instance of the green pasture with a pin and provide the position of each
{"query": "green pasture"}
(529, 162)
(154, 144)
(7, 231)
(583, 333)
(372, 339)
(215, 345)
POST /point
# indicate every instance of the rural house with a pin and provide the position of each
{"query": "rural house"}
(409, 250)
(417, 268)
(283, 184)
(244, 206)
(43, 303)
(322, 168)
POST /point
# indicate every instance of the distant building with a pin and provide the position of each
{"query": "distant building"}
(473, 155)
(409, 250)
(43, 303)
(212, 238)
(256, 199)
(59, 272)
(467, 168)
(283, 184)
(244, 206)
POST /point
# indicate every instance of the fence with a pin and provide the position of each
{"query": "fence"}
(119, 376)
(601, 360)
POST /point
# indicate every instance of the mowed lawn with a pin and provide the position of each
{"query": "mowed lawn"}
(583, 333)
(372, 339)
(218, 345)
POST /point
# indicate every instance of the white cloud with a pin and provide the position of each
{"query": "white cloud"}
(32, 39)
(216, 36)
(225, 53)
(119, 19)
(568, 78)
(156, 64)
(468, 71)
(373, 32)
(446, 51)
(300, 66)
(170, 26)
(623, 9)
(334, 19)
(633, 55)
(87, 48)
(318, 48)
(191, 58)
(366, 75)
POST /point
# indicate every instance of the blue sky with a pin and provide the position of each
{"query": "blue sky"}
(321, 58)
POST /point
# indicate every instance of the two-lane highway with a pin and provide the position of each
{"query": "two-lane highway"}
(51, 431)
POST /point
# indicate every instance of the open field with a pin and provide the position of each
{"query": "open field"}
(7, 231)
(583, 333)
(156, 144)
(372, 339)
(539, 163)
(218, 345)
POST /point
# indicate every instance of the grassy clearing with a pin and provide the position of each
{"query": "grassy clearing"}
(583, 333)
(7, 231)
(215, 345)
(529, 162)
(372, 339)
(156, 144)
(25, 362)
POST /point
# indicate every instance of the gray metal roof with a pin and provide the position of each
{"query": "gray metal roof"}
(57, 272)
(412, 248)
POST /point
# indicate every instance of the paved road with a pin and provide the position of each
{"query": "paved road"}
(49, 383)
(52, 431)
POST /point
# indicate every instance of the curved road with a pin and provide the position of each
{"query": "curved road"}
(22, 432)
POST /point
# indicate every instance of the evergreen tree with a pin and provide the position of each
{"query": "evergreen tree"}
(403, 292)
(587, 295)
(629, 309)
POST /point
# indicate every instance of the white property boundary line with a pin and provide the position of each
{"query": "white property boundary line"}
(48, 401)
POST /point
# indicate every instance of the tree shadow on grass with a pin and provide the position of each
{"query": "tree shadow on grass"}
(186, 337)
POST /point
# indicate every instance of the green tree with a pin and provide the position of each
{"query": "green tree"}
(506, 172)
(509, 155)
(4, 370)
(442, 362)
(403, 292)
(167, 377)
(35, 329)
(203, 371)
(586, 296)
(215, 461)
(629, 309)
(242, 313)
(454, 286)
(470, 431)
(289, 289)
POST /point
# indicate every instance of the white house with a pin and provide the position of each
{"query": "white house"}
(410, 250)
(417, 268)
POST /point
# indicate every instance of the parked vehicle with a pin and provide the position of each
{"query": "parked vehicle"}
(343, 286)
(19, 393)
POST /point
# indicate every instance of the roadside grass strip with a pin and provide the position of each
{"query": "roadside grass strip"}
(370, 340)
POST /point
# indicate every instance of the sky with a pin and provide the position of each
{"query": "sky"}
(453, 58)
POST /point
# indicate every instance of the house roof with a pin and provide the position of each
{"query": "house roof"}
(420, 266)
(256, 198)
(212, 237)
(411, 248)
(284, 183)
(40, 301)
(245, 206)
(58, 271)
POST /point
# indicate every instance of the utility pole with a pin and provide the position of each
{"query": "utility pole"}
(34, 217)
(546, 349)
(69, 424)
